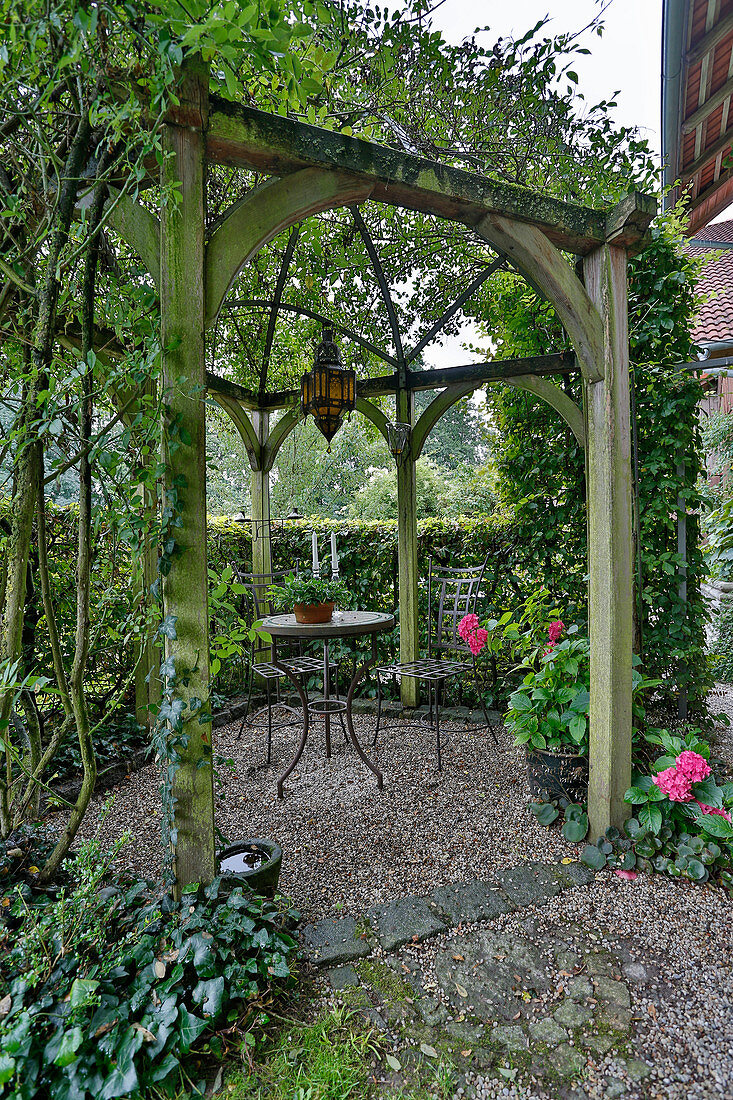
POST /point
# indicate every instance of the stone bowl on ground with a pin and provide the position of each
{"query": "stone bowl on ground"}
(253, 863)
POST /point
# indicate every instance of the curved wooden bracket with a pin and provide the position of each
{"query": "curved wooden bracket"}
(243, 424)
(373, 413)
(548, 391)
(140, 229)
(288, 420)
(262, 215)
(430, 416)
(278, 435)
(536, 257)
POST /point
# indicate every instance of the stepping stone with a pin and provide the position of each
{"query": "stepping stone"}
(572, 1015)
(579, 988)
(616, 993)
(614, 1088)
(547, 1031)
(405, 920)
(334, 941)
(512, 1038)
(637, 1070)
(470, 902)
(574, 874)
(492, 969)
(464, 1033)
(597, 963)
(432, 1011)
(567, 1060)
(618, 1019)
(601, 1044)
(342, 977)
(529, 884)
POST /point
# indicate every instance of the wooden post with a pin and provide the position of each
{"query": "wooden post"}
(147, 678)
(610, 548)
(260, 492)
(185, 592)
(407, 554)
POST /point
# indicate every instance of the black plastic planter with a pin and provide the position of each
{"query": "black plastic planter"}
(555, 775)
(263, 879)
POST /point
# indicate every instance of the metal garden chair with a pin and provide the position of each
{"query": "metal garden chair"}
(290, 656)
(452, 593)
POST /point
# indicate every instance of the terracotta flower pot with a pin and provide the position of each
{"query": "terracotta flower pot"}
(313, 612)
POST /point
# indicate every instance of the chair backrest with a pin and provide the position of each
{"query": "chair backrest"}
(452, 593)
(258, 585)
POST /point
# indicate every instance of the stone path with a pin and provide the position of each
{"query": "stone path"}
(503, 1014)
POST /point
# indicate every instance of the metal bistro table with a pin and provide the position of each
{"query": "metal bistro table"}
(349, 624)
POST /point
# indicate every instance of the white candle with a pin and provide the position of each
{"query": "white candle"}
(316, 564)
(334, 556)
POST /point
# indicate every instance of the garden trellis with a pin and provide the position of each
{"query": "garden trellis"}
(314, 170)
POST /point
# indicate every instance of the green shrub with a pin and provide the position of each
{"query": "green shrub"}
(105, 990)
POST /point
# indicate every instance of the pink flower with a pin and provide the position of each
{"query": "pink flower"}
(467, 626)
(477, 640)
(554, 631)
(629, 875)
(694, 767)
(712, 810)
(674, 784)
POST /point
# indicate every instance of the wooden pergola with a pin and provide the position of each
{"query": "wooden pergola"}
(314, 170)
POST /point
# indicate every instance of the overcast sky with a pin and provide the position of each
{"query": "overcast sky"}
(626, 59)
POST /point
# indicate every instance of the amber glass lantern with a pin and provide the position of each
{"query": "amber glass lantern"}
(329, 391)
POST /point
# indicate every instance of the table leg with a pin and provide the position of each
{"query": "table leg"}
(326, 697)
(304, 736)
(359, 673)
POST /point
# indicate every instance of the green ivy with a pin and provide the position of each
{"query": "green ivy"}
(541, 466)
(111, 992)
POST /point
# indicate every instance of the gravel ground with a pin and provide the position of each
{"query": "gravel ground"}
(683, 1018)
(348, 845)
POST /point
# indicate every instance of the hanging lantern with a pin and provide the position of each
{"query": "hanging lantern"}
(329, 391)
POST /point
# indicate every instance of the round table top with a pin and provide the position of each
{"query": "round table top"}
(352, 623)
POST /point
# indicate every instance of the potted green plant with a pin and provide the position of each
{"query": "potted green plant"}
(311, 598)
(548, 714)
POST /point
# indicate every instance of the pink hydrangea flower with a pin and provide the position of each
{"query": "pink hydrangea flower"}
(467, 626)
(674, 784)
(694, 767)
(712, 810)
(554, 631)
(477, 640)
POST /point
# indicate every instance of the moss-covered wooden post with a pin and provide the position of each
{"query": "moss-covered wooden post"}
(260, 492)
(185, 593)
(147, 678)
(407, 554)
(610, 547)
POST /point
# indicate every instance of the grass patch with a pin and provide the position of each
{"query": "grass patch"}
(329, 1059)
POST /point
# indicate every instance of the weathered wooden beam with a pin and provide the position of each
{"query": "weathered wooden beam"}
(185, 588)
(610, 549)
(260, 491)
(139, 228)
(407, 565)
(706, 109)
(244, 426)
(532, 253)
(243, 137)
(710, 40)
(432, 414)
